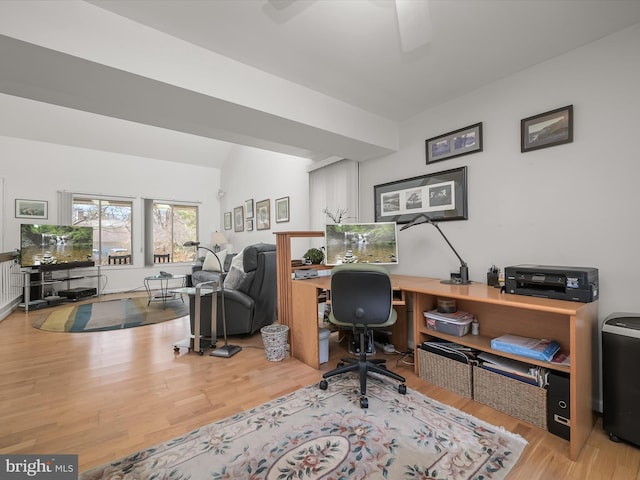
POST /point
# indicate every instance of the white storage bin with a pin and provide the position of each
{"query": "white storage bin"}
(323, 335)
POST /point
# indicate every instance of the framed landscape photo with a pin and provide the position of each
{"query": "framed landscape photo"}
(440, 196)
(282, 209)
(227, 220)
(454, 144)
(263, 215)
(547, 129)
(248, 208)
(238, 222)
(32, 208)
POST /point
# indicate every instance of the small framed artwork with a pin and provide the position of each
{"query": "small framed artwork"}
(32, 208)
(249, 224)
(263, 215)
(248, 208)
(227, 220)
(282, 209)
(454, 144)
(238, 215)
(440, 196)
(547, 129)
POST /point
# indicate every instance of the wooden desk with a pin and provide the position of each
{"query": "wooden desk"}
(303, 330)
(569, 323)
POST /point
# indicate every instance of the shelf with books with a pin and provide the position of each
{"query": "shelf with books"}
(483, 343)
(570, 324)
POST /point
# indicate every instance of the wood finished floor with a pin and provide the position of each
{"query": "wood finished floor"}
(104, 395)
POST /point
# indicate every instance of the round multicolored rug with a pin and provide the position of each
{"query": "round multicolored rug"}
(109, 315)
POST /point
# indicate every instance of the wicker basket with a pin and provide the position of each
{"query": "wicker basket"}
(445, 373)
(513, 397)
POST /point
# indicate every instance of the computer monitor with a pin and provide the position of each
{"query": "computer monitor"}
(361, 243)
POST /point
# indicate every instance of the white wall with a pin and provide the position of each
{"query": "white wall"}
(574, 204)
(37, 171)
(251, 173)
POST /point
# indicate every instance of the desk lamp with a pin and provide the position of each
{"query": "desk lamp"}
(226, 350)
(464, 269)
(217, 240)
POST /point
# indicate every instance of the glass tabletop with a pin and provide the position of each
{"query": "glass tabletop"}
(193, 290)
(166, 277)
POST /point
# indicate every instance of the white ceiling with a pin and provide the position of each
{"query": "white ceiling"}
(350, 49)
(345, 49)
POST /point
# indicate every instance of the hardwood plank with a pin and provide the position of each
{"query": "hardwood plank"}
(103, 395)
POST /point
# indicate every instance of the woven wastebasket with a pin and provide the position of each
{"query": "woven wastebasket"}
(274, 338)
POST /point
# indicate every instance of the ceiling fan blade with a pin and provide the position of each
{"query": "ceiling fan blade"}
(280, 4)
(414, 23)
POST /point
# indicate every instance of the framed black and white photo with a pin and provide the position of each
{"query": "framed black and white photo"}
(249, 225)
(454, 144)
(227, 221)
(32, 208)
(238, 223)
(547, 129)
(263, 215)
(282, 209)
(441, 196)
(248, 208)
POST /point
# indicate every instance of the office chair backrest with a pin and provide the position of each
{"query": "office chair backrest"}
(361, 294)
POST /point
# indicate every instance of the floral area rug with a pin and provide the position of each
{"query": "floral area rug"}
(314, 434)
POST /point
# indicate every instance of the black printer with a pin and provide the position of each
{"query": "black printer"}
(578, 284)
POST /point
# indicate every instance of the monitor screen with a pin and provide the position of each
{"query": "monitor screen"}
(56, 246)
(361, 243)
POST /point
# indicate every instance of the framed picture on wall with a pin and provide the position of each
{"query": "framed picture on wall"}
(248, 208)
(440, 196)
(227, 220)
(32, 208)
(249, 224)
(454, 144)
(238, 222)
(282, 209)
(263, 215)
(547, 129)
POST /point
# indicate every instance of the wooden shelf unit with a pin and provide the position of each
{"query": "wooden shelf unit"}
(284, 270)
(569, 323)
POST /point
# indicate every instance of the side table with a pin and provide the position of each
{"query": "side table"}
(199, 291)
(164, 292)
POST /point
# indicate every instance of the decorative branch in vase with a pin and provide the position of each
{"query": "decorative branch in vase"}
(338, 216)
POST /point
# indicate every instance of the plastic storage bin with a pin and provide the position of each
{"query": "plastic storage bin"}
(323, 335)
(458, 328)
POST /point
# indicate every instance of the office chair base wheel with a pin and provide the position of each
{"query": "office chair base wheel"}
(364, 402)
(402, 389)
(323, 385)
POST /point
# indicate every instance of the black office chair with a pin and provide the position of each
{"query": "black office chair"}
(361, 298)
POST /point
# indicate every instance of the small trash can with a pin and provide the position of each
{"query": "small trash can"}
(323, 335)
(274, 338)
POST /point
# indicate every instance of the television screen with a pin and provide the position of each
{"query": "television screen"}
(56, 246)
(361, 243)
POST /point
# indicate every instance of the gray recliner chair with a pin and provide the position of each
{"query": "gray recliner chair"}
(252, 304)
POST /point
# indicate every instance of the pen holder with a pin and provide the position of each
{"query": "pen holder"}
(493, 279)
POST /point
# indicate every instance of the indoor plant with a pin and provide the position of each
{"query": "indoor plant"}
(314, 256)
